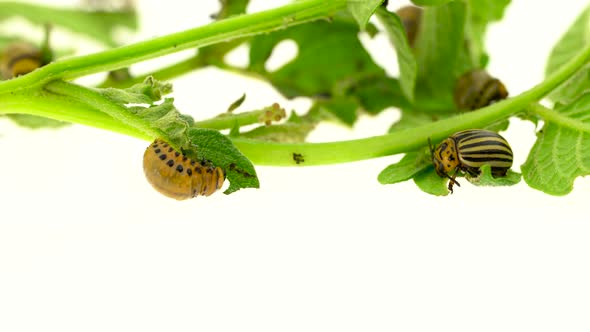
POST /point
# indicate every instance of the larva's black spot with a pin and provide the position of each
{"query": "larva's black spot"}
(163, 157)
(170, 163)
(165, 145)
(184, 158)
(193, 163)
(449, 165)
(170, 150)
(179, 168)
(155, 146)
(158, 150)
(203, 163)
(177, 153)
(198, 170)
(189, 171)
(209, 170)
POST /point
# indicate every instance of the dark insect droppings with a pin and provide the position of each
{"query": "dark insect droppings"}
(170, 163)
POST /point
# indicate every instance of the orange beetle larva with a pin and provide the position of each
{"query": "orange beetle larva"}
(410, 17)
(176, 176)
(19, 58)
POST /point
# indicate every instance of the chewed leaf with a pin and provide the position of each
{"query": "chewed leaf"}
(562, 150)
(147, 92)
(362, 10)
(211, 145)
(487, 179)
(576, 37)
(410, 165)
(429, 182)
(405, 57)
(35, 122)
(168, 120)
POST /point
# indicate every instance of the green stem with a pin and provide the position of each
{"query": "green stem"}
(557, 118)
(104, 105)
(62, 108)
(229, 120)
(221, 31)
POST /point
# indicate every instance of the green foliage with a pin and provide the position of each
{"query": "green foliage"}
(405, 58)
(480, 13)
(211, 145)
(97, 25)
(409, 166)
(487, 179)
(430, 2)
(362, 10)
(429, 182)
(562, 150)
(438, 47)
(35, 122)
(577, 36)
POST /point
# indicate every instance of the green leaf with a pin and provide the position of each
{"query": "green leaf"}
(438, 48)
(236, 103)
(100, 26)
(209, 144)
(322, 64)
(480, 13)
(362, 10)
(35, 122)
(487, 179)
(377, 92)
(410, 165)
(167, 119)
(147, 92)
(430, 2)
(405, 57)
(576, 37)
(231, 8)
(429, 182)
(562, 150)
(342, 108)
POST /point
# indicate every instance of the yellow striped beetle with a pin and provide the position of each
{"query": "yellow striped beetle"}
(476, 89)
(466, 151)
(176, 176)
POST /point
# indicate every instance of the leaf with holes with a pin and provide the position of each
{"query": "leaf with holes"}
(429, 182)
(562, 150)
(211, 145)
(487, 179)
(577, 36)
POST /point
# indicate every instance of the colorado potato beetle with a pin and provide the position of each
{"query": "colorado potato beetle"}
(476, 89)
(410, 17)
(176, 176)
(466, 151)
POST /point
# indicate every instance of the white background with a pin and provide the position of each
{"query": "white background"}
(87, 245)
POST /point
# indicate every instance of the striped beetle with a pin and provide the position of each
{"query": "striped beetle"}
(466, 151)
(410, 17)
(476, 89)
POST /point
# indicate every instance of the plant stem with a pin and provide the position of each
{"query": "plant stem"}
(229, 120)
(281, 154)
(221, 31)
(557, 118)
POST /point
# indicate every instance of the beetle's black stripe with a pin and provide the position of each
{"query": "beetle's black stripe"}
(486, 159)
(486, 151)
(467, 145)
